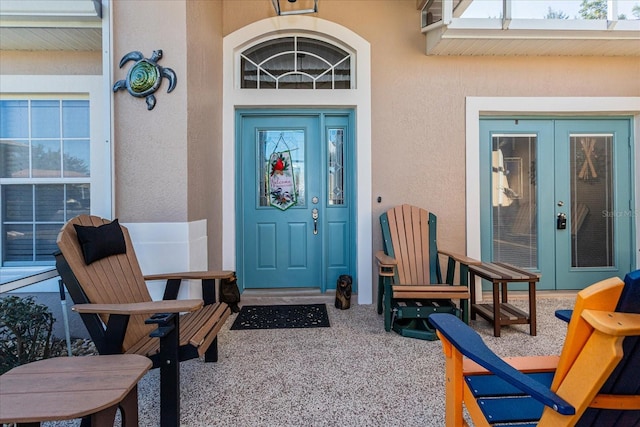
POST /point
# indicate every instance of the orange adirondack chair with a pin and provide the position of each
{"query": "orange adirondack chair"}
(594, 382)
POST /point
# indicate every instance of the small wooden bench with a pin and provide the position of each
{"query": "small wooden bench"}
(501, 313)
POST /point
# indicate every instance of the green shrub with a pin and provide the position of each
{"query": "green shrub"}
(26, 330)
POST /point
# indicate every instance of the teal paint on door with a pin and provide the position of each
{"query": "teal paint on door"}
(554, 194)
(309, 244)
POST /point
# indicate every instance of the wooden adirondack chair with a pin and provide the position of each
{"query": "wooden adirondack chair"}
(410, 286)
(594, 382)
(113, 300)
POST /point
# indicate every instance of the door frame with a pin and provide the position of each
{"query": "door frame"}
(548, 106)
(357, 98)
(319, 114)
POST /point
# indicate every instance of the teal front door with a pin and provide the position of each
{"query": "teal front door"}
(557, 196)
(295, 198)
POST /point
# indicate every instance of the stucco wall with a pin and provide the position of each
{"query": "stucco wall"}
(151, 146)
(20, 62)
(418, 101)
(204, 80)
(167, 160)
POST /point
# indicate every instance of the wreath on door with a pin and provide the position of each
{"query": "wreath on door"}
(282, 181)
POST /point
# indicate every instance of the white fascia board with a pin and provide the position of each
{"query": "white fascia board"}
(627, 25)
(540, 29)
(544, 24)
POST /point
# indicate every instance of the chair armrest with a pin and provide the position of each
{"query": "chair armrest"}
(564, 315)
(613, 323)
(151, 307)
(212, 274)
(385, 260)
(470, 344)
(462, 259)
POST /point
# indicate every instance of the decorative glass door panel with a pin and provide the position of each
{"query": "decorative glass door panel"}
(279, 141)
(335, 171)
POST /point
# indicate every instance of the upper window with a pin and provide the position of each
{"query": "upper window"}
(295, 63)
(55, 163)
(45, 173)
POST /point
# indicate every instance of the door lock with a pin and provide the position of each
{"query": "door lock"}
(314, 215)
(562, 221)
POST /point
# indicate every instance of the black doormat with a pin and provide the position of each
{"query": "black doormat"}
(282, 316)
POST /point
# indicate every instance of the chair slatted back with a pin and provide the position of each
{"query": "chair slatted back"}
(601, 296)
(624, 378)
(411, 240)
(116, 279)
(608, 295)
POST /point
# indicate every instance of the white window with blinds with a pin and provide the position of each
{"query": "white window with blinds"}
(54, 165)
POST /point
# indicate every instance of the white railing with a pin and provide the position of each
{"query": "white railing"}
(48, 274)
(444, 11)
(21, 282)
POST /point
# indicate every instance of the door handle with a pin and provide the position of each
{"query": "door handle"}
(314, 215)
(562, 221)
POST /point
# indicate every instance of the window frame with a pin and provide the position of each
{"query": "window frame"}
(63, 87)
(239, 54)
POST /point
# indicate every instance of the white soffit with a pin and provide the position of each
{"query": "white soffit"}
(49, 13)
(51, 25)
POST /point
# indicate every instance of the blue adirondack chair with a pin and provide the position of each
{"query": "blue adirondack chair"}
(594, 382)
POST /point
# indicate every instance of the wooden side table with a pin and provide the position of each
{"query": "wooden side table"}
(500, 312)
(65, 388)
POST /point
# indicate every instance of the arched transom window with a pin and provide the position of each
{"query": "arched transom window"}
(295, 62)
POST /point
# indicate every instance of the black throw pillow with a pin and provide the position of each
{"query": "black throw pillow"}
(100, 242)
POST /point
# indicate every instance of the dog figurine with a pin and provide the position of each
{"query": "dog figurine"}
(230, 293)
(343, 292)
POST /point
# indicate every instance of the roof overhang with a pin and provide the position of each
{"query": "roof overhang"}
(448, 33)
(50, 25)
(533, 37)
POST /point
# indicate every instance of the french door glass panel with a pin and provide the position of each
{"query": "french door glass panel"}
(514, 206)
(592, 230)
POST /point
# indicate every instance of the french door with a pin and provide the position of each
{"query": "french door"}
(557, 197)
(295, 198)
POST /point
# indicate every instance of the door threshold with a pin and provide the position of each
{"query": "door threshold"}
(291, 296)
(283, 291)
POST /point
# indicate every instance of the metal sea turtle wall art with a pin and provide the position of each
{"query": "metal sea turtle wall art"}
(144, 77)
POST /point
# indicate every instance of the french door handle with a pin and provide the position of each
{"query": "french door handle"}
(562, 221)
(314, 215)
